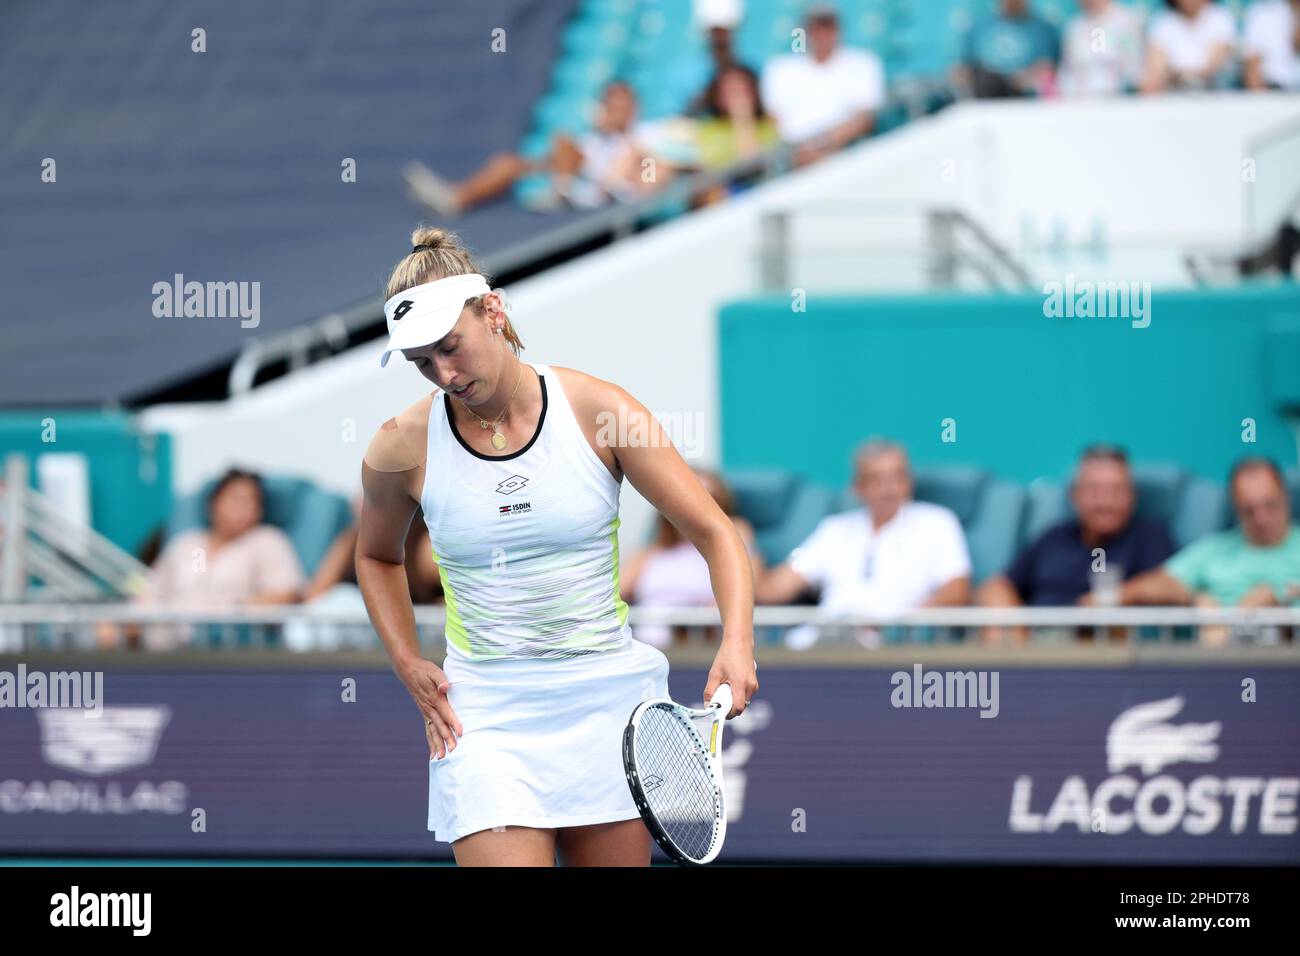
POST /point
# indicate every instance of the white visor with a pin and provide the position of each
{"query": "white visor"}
(424, 314)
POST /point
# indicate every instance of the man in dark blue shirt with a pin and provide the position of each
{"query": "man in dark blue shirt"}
(1094, 552)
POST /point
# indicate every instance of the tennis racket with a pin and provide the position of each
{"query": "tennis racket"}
(672, 757)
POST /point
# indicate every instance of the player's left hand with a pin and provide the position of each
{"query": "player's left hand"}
(734, 665)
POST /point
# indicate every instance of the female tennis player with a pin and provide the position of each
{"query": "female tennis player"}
(519, 484)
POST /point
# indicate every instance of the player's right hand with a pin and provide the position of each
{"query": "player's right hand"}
(429, 686)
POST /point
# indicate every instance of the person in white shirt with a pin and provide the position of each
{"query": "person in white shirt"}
(1188, 45)
(826, 97)
(1272, 45)
(1102, 53)
(889, 557)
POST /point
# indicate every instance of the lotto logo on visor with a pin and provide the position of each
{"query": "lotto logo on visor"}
(426, 313)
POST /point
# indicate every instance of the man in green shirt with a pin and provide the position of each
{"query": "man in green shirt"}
(1256, 564)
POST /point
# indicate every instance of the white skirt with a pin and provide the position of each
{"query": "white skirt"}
(543, 741)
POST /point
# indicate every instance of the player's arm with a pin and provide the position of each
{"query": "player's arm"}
(657, 470)
(387, 508)
(747, 535)
(388, 474)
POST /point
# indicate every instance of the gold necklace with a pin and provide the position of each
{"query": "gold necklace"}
(498, 439)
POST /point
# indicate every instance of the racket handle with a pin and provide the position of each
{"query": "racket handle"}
(722, 697)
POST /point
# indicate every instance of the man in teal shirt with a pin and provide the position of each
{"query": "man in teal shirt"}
(1256, 564)
(1012, 53)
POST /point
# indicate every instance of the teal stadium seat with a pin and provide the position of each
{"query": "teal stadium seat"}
(783, 508)
(1204, 509)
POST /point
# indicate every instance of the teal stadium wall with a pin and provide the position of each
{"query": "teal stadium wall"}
(800, 389)
(130, 472)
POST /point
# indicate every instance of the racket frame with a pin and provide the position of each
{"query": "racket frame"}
(715, 713)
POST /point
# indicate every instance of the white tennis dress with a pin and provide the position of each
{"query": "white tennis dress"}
(543, 668)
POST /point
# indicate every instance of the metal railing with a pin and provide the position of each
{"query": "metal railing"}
(26, 628)
(945, 244)
(44, 556)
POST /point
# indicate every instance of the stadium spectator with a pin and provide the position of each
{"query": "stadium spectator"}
(889, 557)
(1188, 46)
(736, 127)
(718, 19)
(1271, 45)
(671, 572)
(827, 97)
(237, 560)
(1102, 50)
(1062, 566)
(334, 587)
(603, 165)
(1256, 564)
(1012, 53)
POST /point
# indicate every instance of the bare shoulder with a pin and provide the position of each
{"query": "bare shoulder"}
(593, 400)
(588, 394)
(401, 443)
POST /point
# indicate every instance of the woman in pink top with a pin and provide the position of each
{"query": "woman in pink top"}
(235, 561)
(672, 573)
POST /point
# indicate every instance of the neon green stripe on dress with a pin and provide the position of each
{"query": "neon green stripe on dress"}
(456, 632)
(620, 605)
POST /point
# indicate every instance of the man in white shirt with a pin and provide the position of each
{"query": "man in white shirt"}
(887, 558)
(825, 97)
(1272, 45)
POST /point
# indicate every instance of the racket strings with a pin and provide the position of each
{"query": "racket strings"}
(673, 764)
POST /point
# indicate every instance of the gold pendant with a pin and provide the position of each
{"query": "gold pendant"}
(498, 441)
